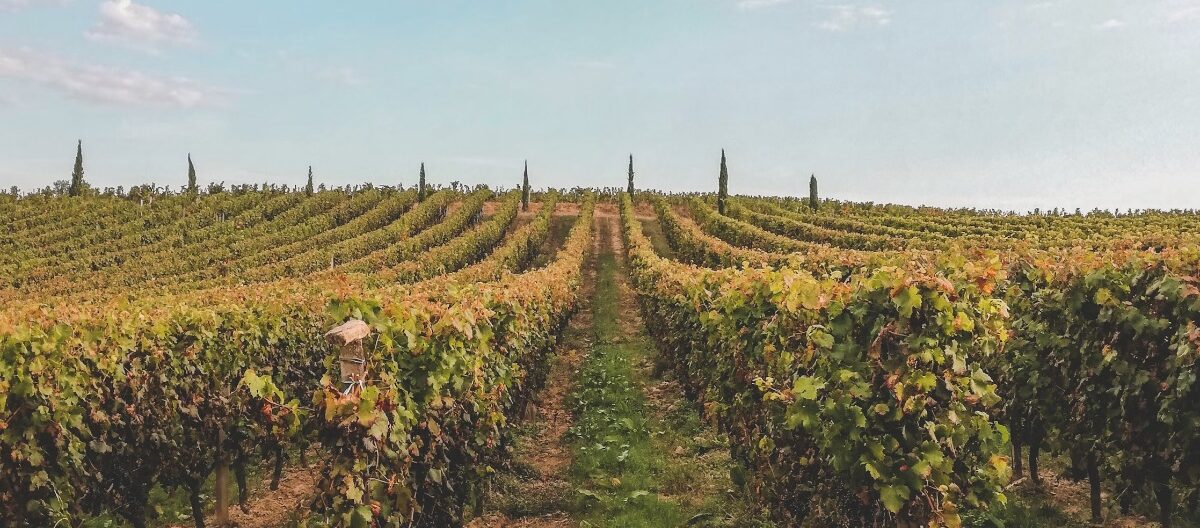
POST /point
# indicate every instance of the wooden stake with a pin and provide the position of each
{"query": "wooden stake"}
(1093, 473)
(222, 482)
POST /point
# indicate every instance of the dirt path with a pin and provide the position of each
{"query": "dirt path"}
(539, 492)
(280, 507)
(1067, 504)
(267, 508)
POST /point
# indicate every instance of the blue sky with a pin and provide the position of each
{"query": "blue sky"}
(1019, 104)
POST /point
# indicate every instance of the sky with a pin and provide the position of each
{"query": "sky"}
(1000, 104)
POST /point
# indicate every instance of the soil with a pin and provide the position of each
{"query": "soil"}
(1072, 498)
(277, 508)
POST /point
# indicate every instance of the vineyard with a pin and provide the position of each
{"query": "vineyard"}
(862, 364)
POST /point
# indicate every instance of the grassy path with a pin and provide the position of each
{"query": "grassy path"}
(611, 445)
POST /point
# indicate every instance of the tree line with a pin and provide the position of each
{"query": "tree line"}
(77, 186)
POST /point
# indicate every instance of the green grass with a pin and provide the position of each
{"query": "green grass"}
(658, 239)
(560, 226)
(616, 464)
(1027, 511)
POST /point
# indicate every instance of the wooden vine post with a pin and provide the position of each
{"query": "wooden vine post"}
(221, 483)
(221, 479)
(348, 337)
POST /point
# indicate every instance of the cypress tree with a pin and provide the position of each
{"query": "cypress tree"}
(192, 188)
(813, 202)
(76, 188)
(631, 175)
(421, 185)
(722, 185)
(308, 188)
(525, 189)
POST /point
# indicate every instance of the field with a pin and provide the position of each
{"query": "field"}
(592, 358)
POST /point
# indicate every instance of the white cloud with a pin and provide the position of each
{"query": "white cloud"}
(1185, 14)
(17, 5)
(143, 27)
(1111, 23)
(103, 84)
(843, 17)
(758, 4)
